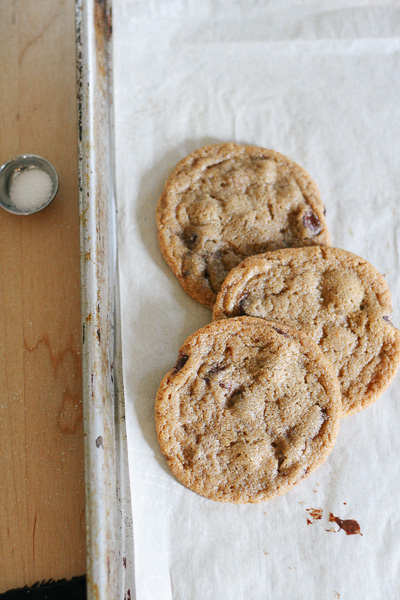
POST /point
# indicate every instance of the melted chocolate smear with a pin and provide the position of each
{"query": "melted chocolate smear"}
(349, 526)
(282, 332)
(190, 240)
(242, 300)
(212, 371)
(231, 401)
(182, 360)
(324, 414)
(312, 223)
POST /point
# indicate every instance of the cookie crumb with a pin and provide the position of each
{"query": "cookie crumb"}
(315, 514)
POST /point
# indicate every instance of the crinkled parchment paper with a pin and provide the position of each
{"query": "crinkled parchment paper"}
(321, 84)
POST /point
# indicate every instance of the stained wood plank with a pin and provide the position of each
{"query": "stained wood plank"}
(41, 438)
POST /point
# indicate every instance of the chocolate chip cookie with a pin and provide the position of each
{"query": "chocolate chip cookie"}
(249, 410)
(334, 296)
(225, 202)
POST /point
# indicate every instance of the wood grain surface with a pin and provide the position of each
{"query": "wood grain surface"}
(42, 530)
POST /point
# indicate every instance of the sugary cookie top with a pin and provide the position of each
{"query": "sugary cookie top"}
(248, 411)
(225, 202)
(334, 296)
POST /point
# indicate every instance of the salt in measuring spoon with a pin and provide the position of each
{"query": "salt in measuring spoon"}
(28, 183)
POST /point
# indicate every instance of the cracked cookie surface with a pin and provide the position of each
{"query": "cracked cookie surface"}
(249, 410)
(225, 202)
(337, 298)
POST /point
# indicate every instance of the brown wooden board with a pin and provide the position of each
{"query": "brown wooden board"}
(42, 527)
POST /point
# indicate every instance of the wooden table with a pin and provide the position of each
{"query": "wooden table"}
(42, 528)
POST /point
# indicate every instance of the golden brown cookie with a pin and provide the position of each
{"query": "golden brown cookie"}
(249, 410)
(335, 297)
(225, 202)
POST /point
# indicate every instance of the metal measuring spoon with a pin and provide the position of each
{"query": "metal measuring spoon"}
(21, 166)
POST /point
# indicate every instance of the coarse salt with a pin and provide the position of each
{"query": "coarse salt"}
(30, 189)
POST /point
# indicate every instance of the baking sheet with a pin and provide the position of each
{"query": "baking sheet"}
(320, 84)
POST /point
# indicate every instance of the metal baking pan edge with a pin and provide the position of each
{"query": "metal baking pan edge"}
(109, 528)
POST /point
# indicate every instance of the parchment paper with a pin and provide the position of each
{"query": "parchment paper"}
(321, 84)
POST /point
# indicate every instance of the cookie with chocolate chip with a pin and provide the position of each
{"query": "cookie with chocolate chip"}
(249, 410)
(337, 298)
(225, 202)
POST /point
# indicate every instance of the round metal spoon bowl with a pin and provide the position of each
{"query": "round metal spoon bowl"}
(13, 168)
